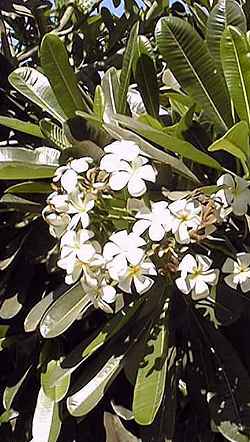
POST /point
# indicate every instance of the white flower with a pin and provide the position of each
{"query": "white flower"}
(68, 175)
(157, 220)
(79, 205)
(58, 223)
(127, 167)
(78, 254)
(239, 271)
(138, 274)
(99, 292)
(196, 276)
(235, 193)
(186, 217)
(123, 248)
(58, 202)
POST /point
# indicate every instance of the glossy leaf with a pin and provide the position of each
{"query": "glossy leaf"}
(127, 69)
(84, 400)
(21, 126)
(83, 352)
(150, 150)
(35, 86)
(151, 376)
(21, 163)
(57, 391)
(235, 141)
(36, 313)
(236, 67)
(55, 63)
(115, 431)
(46, 423)
(55, 134)
(194, 68)
(63, 312)
(99, 102)
(223, 14)
(111, 87)
(30, 187)
(169, 143)
(10, 392)
(145, 75)
(10, 307)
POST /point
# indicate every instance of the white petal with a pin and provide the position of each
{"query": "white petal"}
(86, 252)
(108, 294)
(148, 268)
(110, 250)
(142, 283)
(147, 173)
(211, 276)
(200, 290)
(204, 262)
(118, 267)
(81, 165)
(244, 259)
(69, 180)
(239, 206)
(125, 283)
(226, 180)
(230, 280)
(134, 256)
(183, 285)
(119, 180)
(228, 266)
(156, 232)
(188, 264)
(140, 226)
(182, 235)
(136, 186)
(245, 286)
(110, 163)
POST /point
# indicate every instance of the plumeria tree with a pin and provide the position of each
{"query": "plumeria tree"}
(125, 260)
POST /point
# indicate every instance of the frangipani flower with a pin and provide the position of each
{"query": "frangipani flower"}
(123, 248)
(196, 276)
(58, 202)
(157, 220)
(139, 275)
(127, 167)
(58, 223)
(79, 205)
(235, 193)
(239, 271)
(99, 292)
(68, 175)
(186, 217)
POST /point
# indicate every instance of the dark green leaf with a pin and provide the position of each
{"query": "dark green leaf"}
(55, 134)
(235, 141)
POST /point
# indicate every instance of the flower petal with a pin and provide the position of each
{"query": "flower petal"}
(136, 186)
(119, 180)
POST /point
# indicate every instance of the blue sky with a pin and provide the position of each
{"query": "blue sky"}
(119, 11)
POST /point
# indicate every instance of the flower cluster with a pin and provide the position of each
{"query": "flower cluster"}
(158, 235)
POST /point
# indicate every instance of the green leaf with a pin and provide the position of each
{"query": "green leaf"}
(145, 75)
(22, 204)
(99, 102)
(232, 433)
(84, 400)
(56, 392)
(154, 153)
(63, 312)
(115, 431)
(10, 307)
(179, 102)
(21, 126)
(30, 187)
(151, 377)
(35, 86)
(55, 134)
(194, 68)
(110, 329)
(10, 392)
(46, 421)
(110, 87)
(127, 69)
(224, 13)
(22, 163)
(235, 141)
(236, 67)
(36, 313)
(169, 143)
(55, 63)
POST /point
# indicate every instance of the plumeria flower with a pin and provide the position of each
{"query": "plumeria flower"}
(127, 167)
(157, 220)
(68, 175)
(239, 271)
(235, 193)
(138, 274)
(79, 204)
(58, 202)
(123, 248)
(100, 293)
(196, 276)
(58, 223)
(76, 244)
(186, 217)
